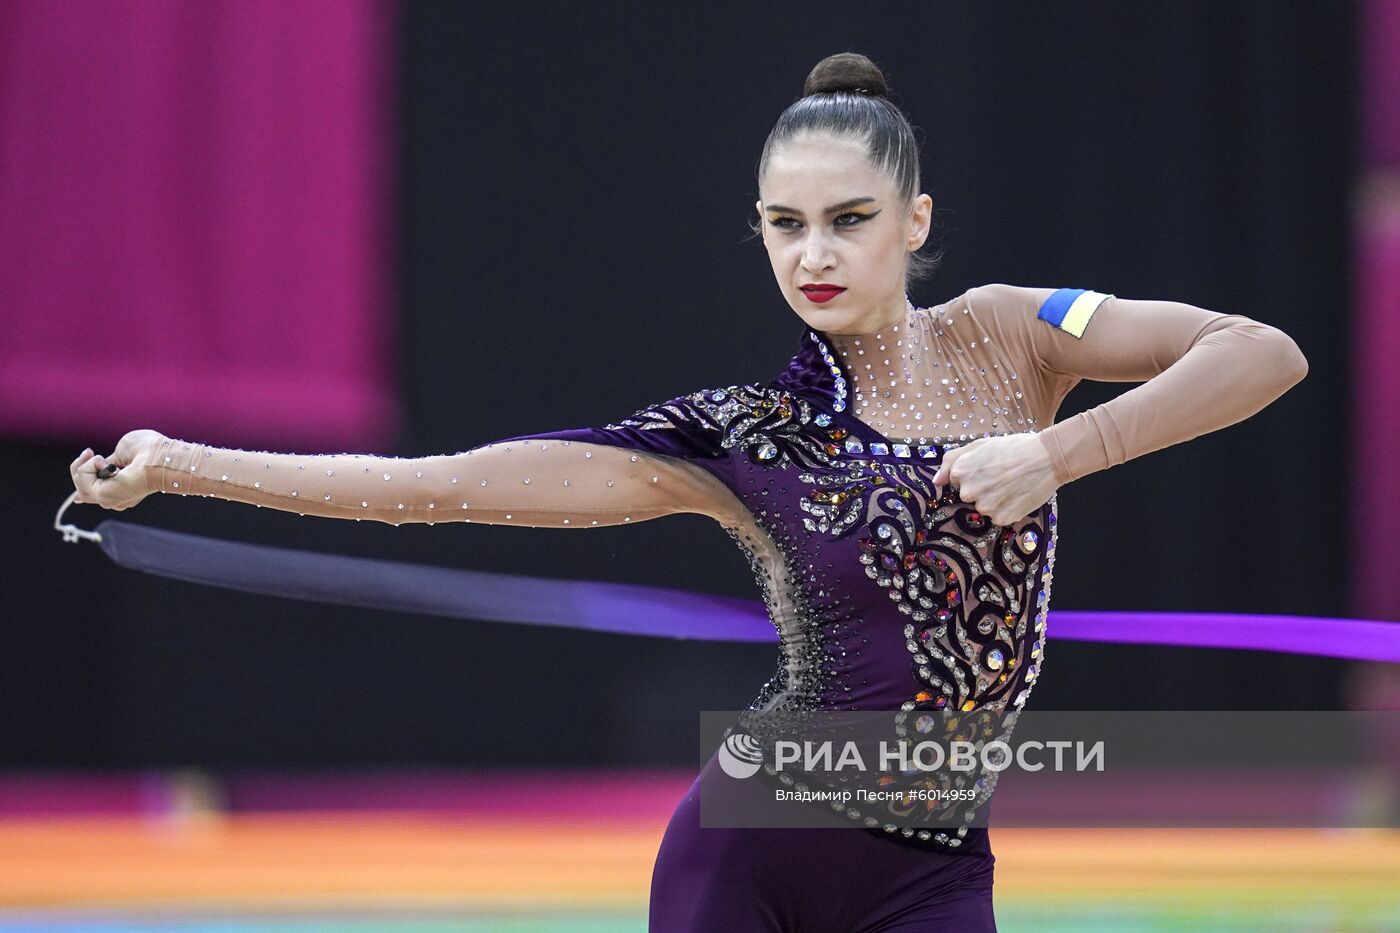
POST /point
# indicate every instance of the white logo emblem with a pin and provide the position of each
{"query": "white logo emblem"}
(740, 755)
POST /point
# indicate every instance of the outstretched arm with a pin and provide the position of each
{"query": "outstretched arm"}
(534, 482)
(539, 482)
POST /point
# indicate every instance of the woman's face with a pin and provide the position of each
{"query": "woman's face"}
(829, 218)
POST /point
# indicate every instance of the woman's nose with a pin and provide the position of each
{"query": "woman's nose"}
(815, 254)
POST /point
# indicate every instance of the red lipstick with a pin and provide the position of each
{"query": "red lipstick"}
(821, 293)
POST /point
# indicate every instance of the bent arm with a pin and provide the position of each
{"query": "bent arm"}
(1204, 371)
(534, 482)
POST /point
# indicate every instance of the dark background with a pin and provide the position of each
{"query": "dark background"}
(573, 245)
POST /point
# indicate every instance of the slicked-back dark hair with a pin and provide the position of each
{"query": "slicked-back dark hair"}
(846, 95)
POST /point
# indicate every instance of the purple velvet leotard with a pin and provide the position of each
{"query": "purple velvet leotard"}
(885, 593)
(869, 579)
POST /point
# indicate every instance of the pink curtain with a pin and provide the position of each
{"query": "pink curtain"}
(195, 209)
(1374, 375)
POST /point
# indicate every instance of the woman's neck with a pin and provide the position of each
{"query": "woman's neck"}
(879, 321)
(893, 372)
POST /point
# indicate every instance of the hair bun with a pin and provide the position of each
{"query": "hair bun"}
(846, 71)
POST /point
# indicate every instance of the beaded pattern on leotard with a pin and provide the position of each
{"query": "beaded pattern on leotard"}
(975, 594)
(883, 594)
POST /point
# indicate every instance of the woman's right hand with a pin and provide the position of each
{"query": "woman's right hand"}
(127, 486)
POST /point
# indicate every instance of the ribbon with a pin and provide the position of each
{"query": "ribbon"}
(632, 609)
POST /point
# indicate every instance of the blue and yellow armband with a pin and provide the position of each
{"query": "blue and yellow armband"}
(1069, 309)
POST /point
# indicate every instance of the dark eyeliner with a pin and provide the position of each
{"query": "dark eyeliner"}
(861, 218)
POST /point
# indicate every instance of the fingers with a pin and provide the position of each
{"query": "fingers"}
(944, 476)
(82, 458)
(83, 475)
(88, 470)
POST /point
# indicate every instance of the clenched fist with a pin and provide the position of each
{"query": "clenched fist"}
(127, 486)
(1006, 477)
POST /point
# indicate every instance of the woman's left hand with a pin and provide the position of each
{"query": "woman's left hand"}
(1005, 477)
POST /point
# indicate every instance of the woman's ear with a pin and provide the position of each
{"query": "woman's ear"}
(919, 221)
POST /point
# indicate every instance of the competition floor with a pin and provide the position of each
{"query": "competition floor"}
(443, 852)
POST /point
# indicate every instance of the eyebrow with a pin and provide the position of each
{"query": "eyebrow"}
(830, 210)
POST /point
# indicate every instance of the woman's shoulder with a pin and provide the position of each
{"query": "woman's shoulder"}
(1007, 295)
(1067, 309)
(991, 298)
(989, 302)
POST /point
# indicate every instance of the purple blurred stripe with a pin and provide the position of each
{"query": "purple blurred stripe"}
(57, 793)
(1375, 480)
(195, 201)
(1379, 39)
(548, 795)
(1375, 332)
(1359, 639)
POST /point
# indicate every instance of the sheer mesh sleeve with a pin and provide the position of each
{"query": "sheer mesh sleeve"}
(663, 460)
(1204, 370)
